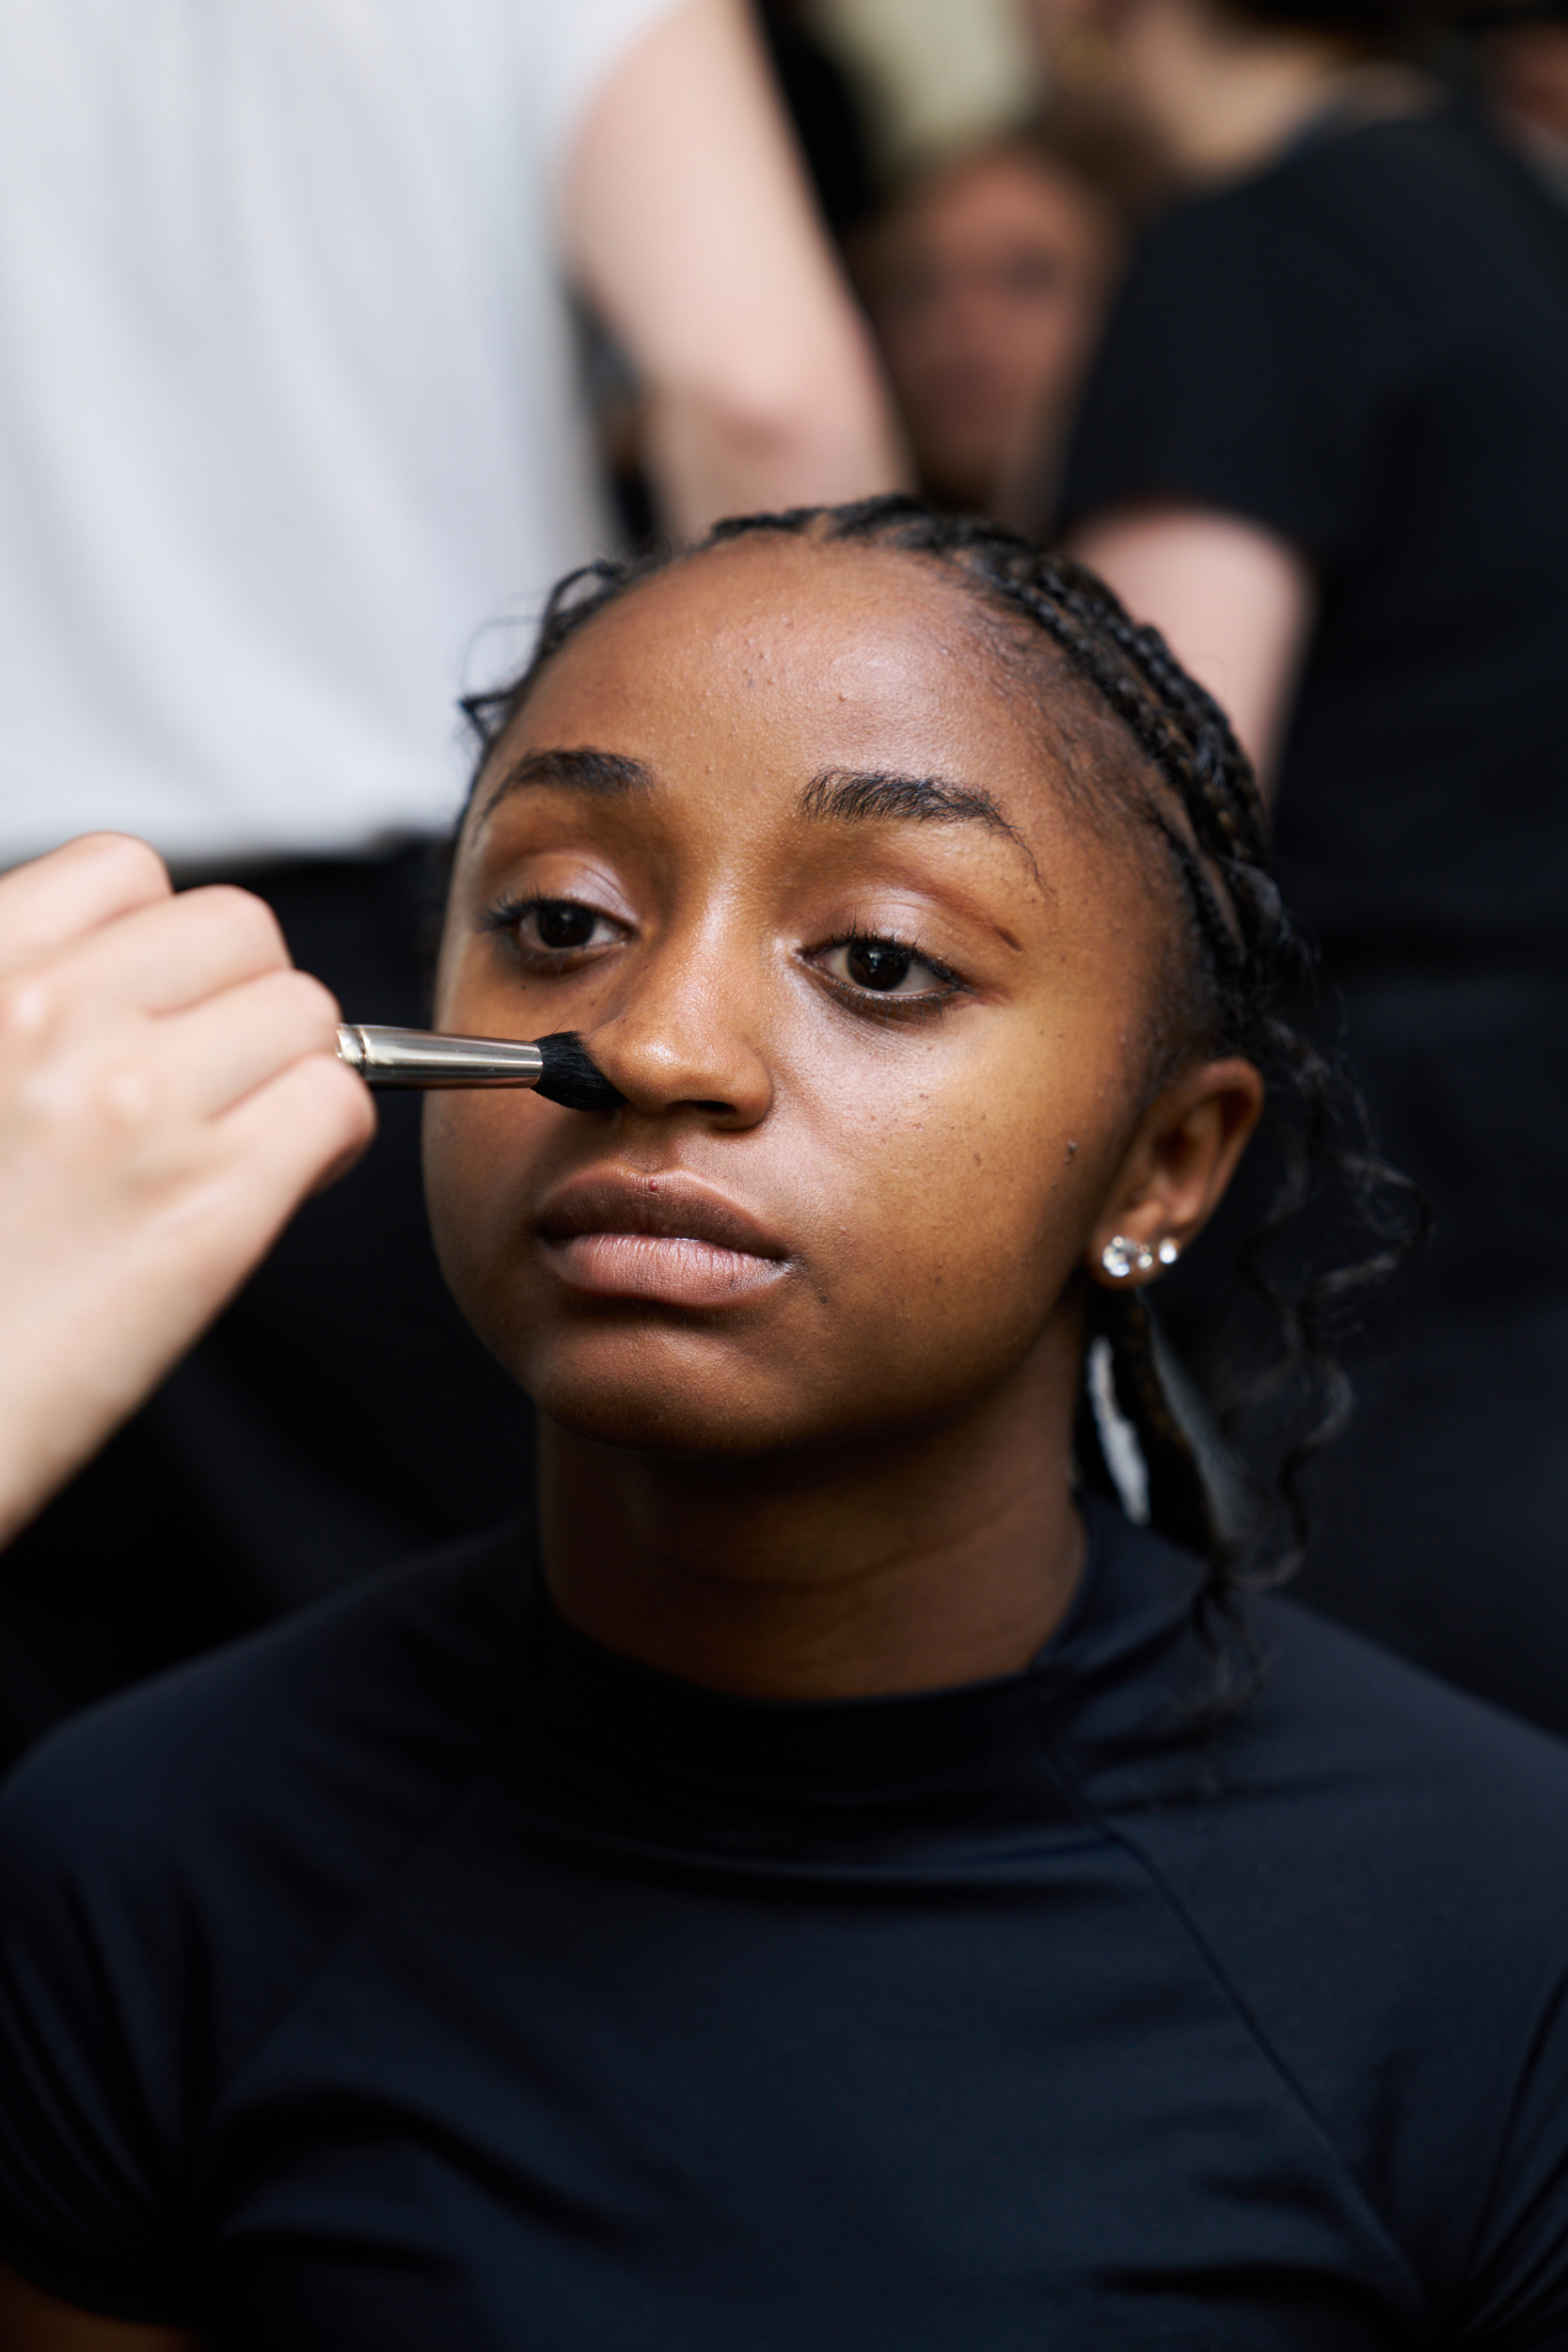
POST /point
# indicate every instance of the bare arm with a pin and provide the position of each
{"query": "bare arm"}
(31, 2321)
(1236, 603)
(689, 223)
(167, 1096)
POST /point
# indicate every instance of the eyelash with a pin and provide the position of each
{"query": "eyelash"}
(508, 915)
(883, 1004)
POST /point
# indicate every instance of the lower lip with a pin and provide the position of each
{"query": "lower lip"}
(671, 1270)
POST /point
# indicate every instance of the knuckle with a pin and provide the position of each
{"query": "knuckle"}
(314, 1004)
(348, 1104)
(109, 1115)
(355, 1101)
(329, 1120)
(140, 863)
(249, 919)
(128, 1101)
(29, 1007)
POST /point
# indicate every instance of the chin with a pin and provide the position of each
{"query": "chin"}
(663, 1393)
(635, 1419)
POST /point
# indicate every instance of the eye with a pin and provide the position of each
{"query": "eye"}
(889, 968)
(550, 931)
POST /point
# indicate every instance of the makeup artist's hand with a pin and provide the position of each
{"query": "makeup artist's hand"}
(168, 1094)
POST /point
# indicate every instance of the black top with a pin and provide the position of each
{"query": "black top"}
(1365, 349)
(419, 1975)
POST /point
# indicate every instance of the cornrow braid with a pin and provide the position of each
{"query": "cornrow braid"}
(1188, 783)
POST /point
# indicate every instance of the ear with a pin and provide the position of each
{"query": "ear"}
(1175, 1173)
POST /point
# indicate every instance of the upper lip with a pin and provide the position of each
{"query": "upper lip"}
(672, 1203)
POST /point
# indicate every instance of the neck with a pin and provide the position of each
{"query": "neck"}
(1225, 96)
(873, 1567)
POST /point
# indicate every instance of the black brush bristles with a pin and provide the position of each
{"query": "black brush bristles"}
(572, 1076)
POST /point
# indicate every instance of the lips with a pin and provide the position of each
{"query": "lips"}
(666, 1239)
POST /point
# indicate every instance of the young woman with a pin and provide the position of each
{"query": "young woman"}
(836, 1881)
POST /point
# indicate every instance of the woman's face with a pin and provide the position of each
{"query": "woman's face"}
(772, 836)
(987, 290)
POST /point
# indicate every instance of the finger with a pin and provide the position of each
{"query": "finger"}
(163, 958)
(291, 1136)
(73, 890)
(216, 1053)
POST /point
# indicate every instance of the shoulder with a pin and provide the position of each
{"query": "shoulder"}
(273, 1779)
(1462, 1786)
(1346, 224)
(1374, 1867)
(412, 1646)
(573, 53)
(1381, 177)
(1365, 1785)
(1221, 278)
(1261, 340)
(1409, 1715)
(1288, 347)
(1338, 251)
(1355, 1831)
(1415, 1802)
(1371, 1867)
(174, 1868)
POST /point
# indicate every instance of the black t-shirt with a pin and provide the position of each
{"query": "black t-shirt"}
(419, 1975)
(1365, 348)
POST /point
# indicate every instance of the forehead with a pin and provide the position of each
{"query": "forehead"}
(795, 658)
(1002, 195)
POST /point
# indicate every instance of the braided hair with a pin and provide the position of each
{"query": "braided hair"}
(1175, 774)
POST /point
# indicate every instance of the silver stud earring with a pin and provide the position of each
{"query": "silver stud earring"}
(1121, 1257)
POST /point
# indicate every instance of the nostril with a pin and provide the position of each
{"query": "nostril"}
(658, 1065)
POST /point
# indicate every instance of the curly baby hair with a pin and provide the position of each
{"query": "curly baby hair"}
(1167, 772)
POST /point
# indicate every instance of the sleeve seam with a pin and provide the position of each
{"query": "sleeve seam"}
(414, 1844)
(1272, 2057)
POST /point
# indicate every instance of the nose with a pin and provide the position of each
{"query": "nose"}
(687, 1036)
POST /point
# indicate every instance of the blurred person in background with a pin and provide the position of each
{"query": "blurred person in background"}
(987, 277)
(1525, 66)
(1324, 448)
(288, 401)
(826, 114)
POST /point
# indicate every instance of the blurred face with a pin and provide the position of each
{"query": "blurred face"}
(991, 287)
(1529, 73)
(772, 836)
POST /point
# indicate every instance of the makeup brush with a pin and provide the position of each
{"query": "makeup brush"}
(558, 1067)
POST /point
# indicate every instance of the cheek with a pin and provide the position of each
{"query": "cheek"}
(958, 1214)
(475, 1149)
(940, 1202)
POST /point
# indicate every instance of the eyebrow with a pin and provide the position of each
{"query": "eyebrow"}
(847, 795)
(837, 796)
(604, 775)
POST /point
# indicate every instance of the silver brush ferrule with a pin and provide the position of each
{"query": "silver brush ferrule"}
(413, 1057)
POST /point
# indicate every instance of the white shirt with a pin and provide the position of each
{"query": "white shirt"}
(288, 406)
